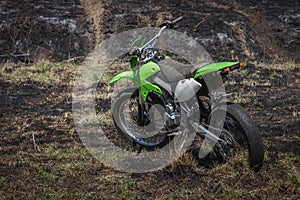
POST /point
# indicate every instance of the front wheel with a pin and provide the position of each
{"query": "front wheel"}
(126, 119)
(240, 128)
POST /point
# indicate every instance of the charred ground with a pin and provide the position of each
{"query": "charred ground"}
(42, 156)
(42, 153)
(257, 30)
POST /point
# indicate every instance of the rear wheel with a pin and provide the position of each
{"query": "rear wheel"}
(241, 134)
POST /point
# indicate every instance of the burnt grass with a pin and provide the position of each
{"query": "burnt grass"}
(42, 156)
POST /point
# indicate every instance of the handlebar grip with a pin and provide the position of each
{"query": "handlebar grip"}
(177, 20)
(132, 51)
(170, 24)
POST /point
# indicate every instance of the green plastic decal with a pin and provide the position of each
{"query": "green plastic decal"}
(147, 70)
(213, 67)
(139, 77)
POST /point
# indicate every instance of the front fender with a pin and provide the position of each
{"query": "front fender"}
(126, 74)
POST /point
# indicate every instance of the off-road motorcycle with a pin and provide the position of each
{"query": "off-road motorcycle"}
(162, 103)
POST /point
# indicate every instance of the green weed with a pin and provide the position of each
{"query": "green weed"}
(3, 183)
(126, 183)
(47, 176)
(234, 193)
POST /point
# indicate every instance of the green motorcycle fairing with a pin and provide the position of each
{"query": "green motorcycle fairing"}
(149, 69)
(213, 67)
(139, 77)
(125, 74)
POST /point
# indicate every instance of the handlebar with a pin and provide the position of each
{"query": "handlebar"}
(165, 24)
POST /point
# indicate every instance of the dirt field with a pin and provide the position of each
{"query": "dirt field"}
(42, 156)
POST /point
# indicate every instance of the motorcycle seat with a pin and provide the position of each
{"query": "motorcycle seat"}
(175, 71)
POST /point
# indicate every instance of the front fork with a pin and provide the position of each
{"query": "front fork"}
(141, 109)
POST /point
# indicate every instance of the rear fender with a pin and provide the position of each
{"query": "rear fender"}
(213, 67)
